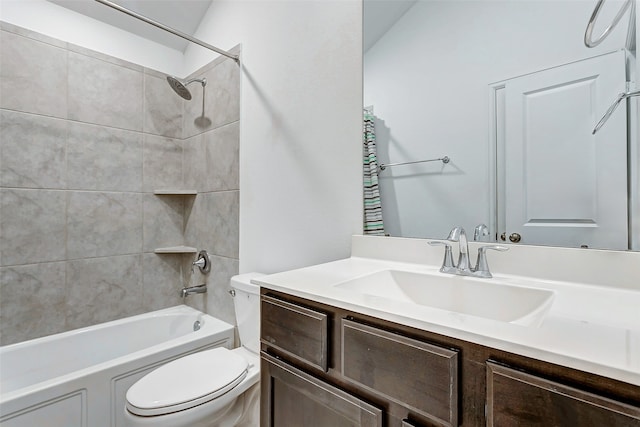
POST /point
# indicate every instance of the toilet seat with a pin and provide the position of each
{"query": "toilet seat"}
(187, 382)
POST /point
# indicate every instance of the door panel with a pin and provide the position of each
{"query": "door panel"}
(563, 185)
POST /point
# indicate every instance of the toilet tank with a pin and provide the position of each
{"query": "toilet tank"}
(247, 306)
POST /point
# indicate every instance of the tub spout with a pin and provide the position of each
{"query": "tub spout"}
(200, 289)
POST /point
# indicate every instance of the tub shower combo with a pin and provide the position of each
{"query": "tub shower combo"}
(83, 379)
(80, 377)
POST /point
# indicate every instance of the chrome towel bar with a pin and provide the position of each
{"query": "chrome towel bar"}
(444, 160)
(622, 96)
(588, 34)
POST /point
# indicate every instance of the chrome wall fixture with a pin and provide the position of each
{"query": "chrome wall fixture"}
(620, 98)
(168, 29)
(180, 87)
(444, 160)
(588, 34)
(203, 262)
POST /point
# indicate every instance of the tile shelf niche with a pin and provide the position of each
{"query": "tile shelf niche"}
(174, 192)
(176, 250)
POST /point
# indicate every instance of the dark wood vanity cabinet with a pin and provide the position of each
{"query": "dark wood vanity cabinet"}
(324, 366)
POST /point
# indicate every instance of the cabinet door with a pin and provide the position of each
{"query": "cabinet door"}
(516, 398)
(415, 374)
(291, 397)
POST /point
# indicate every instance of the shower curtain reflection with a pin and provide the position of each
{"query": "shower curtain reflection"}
(373, 224)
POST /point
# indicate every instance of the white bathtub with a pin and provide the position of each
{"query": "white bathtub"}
(80, 377)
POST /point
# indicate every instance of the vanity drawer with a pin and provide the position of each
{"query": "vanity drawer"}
(291, 397)
(519, 398)
(297, 332)
(420, 376)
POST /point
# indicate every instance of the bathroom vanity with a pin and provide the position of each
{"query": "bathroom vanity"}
(336, 351)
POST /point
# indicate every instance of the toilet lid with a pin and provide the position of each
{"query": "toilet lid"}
(187, 382)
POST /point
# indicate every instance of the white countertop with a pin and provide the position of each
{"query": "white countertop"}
(590, 328)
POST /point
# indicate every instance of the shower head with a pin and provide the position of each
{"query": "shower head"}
(181, 88)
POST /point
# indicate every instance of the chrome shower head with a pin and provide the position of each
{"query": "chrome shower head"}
(181, 88)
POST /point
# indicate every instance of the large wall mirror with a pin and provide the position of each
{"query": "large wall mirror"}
(508, 91)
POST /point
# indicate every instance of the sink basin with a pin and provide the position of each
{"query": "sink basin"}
(490, 299)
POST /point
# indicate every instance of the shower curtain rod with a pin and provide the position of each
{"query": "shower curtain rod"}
(168, 29)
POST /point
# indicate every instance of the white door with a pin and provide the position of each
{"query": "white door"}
(563, 185)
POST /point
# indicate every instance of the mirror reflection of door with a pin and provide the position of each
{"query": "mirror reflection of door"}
(428, 71)
(545, 121)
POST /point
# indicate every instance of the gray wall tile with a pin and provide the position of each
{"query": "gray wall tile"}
(223, 156)
(104, 57)
(102, 158)
(163, 223)
(195, 163)
(162, 108)
(33, 76)
(103, 224)
(32, 303)
(72, 188)
(34, 149)
(103, 289)
(196, 228)
(32, 226)
(212, 223)
(219, 301)
(162, 281)
(103, 93)
(222, 99)
(194, 120)
(162, 163)
(222, 210)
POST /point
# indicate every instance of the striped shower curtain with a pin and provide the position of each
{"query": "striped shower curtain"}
(373, 224)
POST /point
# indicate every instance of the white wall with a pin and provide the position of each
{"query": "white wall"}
(63, 24)
(428, 78)
(300, 149)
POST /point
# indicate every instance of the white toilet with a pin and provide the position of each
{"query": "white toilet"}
(209, 388)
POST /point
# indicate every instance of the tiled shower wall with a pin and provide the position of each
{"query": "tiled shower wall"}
(84, 140)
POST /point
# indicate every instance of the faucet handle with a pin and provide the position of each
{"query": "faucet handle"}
(447, 263)
(482, 267)
(203, 262)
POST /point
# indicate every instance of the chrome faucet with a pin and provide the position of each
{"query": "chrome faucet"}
(200, 289)
(462, 267)
(458, 235)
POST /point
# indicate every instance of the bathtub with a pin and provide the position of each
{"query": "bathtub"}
(80, 377)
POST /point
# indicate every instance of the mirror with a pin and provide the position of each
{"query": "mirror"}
(508, 91)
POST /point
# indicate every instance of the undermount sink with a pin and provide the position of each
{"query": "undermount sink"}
(490, 299)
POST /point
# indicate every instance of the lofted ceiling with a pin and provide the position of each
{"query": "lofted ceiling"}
(380, 16)
(186, 15)
(182, 15)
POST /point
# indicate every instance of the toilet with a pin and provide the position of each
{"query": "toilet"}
(209, 388)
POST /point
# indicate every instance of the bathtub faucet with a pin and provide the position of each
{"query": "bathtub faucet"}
(200, 289)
